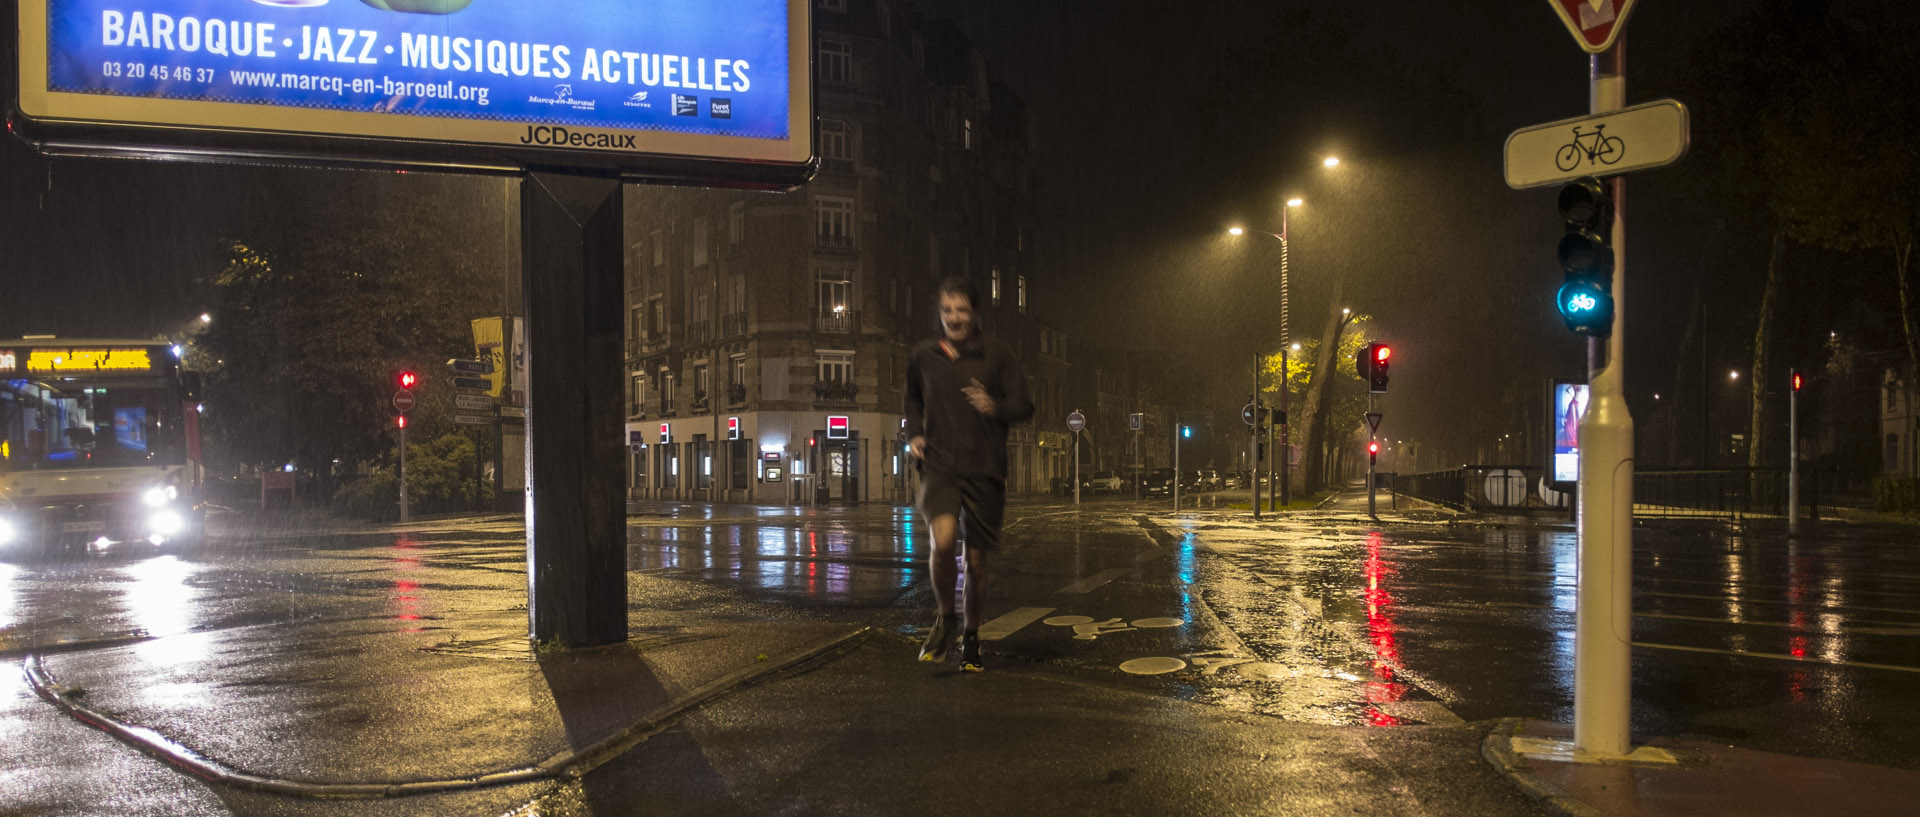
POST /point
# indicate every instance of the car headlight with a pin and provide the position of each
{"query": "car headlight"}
(166, 523)
(6, 531)
(159, 495)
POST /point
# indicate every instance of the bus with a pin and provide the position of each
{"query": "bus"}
(99, 447)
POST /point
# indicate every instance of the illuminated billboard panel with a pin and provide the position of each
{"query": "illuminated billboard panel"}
(605, 82)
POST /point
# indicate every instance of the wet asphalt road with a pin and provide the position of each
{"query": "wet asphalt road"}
(1807, 646)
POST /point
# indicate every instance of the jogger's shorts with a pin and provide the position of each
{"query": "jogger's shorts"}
(980, 503)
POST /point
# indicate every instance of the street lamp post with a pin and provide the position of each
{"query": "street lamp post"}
(1281, 461)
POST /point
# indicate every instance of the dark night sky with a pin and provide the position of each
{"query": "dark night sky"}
(1157, 125)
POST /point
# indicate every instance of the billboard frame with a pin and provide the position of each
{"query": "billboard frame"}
(62, 123)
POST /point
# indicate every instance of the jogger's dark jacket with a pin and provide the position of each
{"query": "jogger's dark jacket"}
(960, 440)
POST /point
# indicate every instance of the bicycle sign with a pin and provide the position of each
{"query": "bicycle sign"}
(1598, 145)
(1598, 148)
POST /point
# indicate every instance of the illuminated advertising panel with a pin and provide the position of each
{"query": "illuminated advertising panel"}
(837, 427)
(602, 82)
(1569, 404)
(88, 361)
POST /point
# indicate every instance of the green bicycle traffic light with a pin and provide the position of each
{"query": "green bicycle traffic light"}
(1585, 300)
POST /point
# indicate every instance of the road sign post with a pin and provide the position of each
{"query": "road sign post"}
(1075, 422)
(1603, 660)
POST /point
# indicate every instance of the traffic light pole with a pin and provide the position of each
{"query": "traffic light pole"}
(1176, 466)
(1603, 660)
(403, 469)
(1372, 440)
(1793, 452)
(1253, 441)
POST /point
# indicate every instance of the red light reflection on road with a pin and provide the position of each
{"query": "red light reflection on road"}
(1380, 633)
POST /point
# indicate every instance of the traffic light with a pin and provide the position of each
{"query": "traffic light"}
(1373, 451)
(400, 422)
(407, 379)
(1380, 354)
(1186, 431)
(1798, 381)
(1585, 301)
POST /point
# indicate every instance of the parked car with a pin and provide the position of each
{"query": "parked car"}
(1108, 482)
(1210, 480)
(1158, 482)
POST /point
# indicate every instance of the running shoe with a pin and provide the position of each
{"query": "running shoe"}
(938, 637)
(970, 653)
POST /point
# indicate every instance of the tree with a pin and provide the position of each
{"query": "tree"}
(306, 339)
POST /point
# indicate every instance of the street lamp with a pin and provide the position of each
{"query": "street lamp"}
(1286, 346)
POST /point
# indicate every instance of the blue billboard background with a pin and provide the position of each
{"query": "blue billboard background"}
(709, 67)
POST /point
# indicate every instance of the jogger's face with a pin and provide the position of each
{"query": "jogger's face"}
(956, 316)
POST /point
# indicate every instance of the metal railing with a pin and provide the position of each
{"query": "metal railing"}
(834, 391)
(1730, 493)
(841, 322)
(699, 332)
(734, 325)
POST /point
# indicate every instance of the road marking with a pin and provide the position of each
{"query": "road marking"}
(1011, 623)
(1776, 656)
(1153, 666)
(1088, 584)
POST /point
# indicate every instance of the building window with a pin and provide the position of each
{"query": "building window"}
(836, 61)
(993, 287)
(1020, 292)
(737, 224)
(833, 5)
(1893, 453)
(639, 407)
(699, 383)
(884, 13)
(836, 146)
(835, 367)
(737, 371)
(1892, 389)
(833, 221)
(666, 389)
(659, 240)
(966, 133)
(701, 235)
(656, 317)
(835, 287)
(634, 317)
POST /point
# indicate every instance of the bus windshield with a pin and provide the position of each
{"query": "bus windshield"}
(82, 422)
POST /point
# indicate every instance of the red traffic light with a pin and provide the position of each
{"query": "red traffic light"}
(1798, 381)
(407, 379)
(1373, 447)
(1381, 352)
(400, 422)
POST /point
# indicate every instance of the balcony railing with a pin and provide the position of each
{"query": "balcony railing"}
(737, 394)
(839, 322)
(835, 391)
(699, 332)
(666, 407)
(835, 241)
(700, 402)
(734, 325)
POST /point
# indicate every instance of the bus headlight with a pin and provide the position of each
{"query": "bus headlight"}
(159, 495)
(166, 523)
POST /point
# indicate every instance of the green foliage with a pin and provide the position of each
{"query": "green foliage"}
(307, 336)
(1897, 495)
(440, 479)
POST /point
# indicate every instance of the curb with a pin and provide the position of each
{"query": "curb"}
(567, 764)
(1497, 750)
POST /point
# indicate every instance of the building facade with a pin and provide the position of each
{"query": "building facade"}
(767, 334)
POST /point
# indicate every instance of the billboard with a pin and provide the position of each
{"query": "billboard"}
(630, 85)
(1569, 405)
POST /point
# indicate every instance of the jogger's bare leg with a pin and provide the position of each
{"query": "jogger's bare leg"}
(976, 601)
(940, 567)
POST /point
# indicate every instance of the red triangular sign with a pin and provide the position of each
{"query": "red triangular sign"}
(1595, 23)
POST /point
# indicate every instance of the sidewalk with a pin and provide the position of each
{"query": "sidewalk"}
(1676, 778)
(374, 707)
